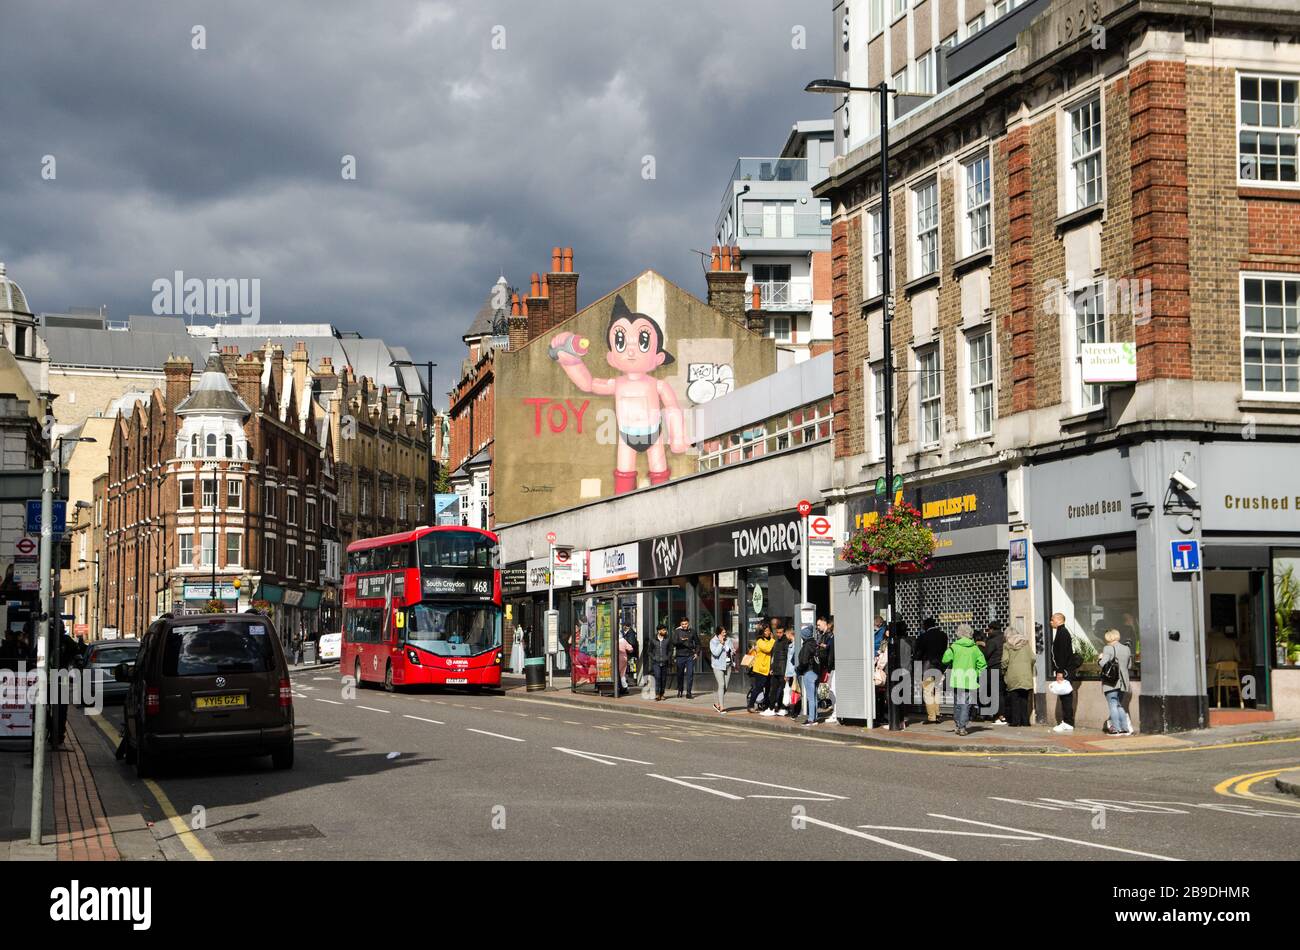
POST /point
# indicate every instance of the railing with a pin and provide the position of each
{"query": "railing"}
(797, 224)
(770, 169)
(800, 427)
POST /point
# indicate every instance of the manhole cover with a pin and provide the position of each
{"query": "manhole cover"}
(260, 835)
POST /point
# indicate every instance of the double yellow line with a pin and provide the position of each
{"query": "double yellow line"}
(1239, 786)
(187, 837)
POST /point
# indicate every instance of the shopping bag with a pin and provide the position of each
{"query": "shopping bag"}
(1061, 687)
(786, 694)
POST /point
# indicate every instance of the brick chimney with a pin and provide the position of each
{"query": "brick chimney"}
(229, 357)
(248, 379)
(727, 283)
(301, 363)
(277, 368)
(562, 283)
(177, 372)
(539, 307)
(518, 323)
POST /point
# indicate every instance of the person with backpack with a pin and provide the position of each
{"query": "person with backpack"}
(760, 657)
(992, 642)
(807, 669)
(967, 663)
(1065, 663)
(776, 681)
(1018, 676)
(686, 647)
(827, 657)
(1116, 664)
(720, 660)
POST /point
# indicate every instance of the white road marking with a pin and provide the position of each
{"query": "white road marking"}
(890, 844)
(373, 709)
(1040, 834)
(793, 798)
(332, 702)
(570, 722)
(665, 738)
(1017, 801)
(698, 788)
(484, 732)
(601, 757)
(948, 831)
(422, 719)
(784, 788)
(318, 678)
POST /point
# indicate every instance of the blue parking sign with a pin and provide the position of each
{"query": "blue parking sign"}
(1185, 556)
(58, 517)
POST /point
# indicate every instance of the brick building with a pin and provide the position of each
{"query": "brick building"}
(1095, 275)
(224, 486)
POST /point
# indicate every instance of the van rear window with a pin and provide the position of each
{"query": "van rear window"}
(210, 649)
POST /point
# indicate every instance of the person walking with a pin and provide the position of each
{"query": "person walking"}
(776, 673)
(1116, 664)
(967, 663)
(806, 667)
(686, 647)
(1065, 663)
(661, 653)
(720, 654)
(1018, 675)
(930, 648)
(760, 667)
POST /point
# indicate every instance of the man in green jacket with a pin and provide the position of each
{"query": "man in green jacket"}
(966, 660)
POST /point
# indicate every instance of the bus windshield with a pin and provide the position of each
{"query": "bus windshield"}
(455, 549)
(453, 630)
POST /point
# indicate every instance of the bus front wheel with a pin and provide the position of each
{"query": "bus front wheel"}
(388, 678)
(356, 675)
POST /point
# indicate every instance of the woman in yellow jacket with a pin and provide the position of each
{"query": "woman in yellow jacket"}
(761, 651)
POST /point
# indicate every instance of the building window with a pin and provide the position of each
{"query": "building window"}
(900, 7)
(926, 202)
(194, 446)
(268, 501)
(924, 82)
(401, 505)
(268, 555)
(773, 283)
(291, 559)
(310, 523)
(291, 508)
(184, 549)
(974, 26)
(383, 501)
(207, 548)
(979, 218)
(365, 498)
(949, 41)
(930, 387)
(309, 571)
(878, 412)
(899, 84)
(234, 548)
(210, 449)
(1085, 154)
(1090, 327)
(1268, 128)
(1270, 341)
(778, 328)
(234, 493)
(209, 493)
(187, 492)
(769, 219)
(875, 262)
(979, 349)
(876, 17)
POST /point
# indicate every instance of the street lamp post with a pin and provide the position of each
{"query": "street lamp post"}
(428, 429)
(839, 87)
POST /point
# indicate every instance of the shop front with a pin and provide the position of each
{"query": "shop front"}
(730, 575)
(195, 598)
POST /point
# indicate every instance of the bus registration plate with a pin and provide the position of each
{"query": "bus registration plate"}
(457, 682)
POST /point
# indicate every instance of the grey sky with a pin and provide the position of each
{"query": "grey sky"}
(225, 162)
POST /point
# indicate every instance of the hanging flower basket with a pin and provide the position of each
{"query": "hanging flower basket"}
(896, 539)
(261, 607)
(214, 607)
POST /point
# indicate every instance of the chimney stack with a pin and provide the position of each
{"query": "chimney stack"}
(539, 307)
(518, 325)
(248, 382)
(726, 282)
(562, 284)
(177, 372)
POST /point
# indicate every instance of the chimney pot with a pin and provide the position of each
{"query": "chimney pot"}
(514, 305)
(735, 257)
(714, 258)
(556, 255)
(726, 258)
(568, 260)
(758, 298)
(536, 286)
(546, 289)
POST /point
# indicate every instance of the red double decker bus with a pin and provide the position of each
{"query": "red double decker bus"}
(423, 607)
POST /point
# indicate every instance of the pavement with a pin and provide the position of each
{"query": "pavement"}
(984, 736)
(446, 774)
(1288, 782)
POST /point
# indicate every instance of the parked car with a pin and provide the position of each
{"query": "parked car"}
(330, 646)
(211, 683)
(99, 661)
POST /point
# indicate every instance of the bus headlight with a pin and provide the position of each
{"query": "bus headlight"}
(413, 657)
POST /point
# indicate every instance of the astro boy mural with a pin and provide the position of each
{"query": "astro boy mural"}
(644, 407)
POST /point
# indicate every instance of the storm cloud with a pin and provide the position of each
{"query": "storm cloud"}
(226, 161)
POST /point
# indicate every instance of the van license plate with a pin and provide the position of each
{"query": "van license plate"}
(457, 682)
(229, 701)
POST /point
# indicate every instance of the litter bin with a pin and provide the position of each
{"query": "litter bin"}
(535, 674)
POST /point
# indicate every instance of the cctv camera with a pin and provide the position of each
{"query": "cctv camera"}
(1182, 481)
